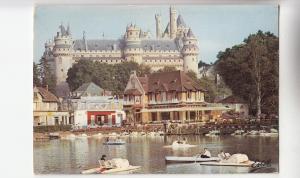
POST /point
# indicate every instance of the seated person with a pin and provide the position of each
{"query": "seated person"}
(223, 155)
(102, 161)
(227, 155)
(206, 154)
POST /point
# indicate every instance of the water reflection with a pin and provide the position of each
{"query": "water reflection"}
(65, 156)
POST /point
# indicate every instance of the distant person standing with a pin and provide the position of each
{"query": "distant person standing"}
(206, 154)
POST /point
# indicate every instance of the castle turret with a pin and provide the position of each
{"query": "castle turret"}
(190, 52)
(158, 26)
(49, 45)
(133, 51)
(173, 25)
(62, 53)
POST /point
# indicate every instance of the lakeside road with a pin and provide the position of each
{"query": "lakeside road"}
(72, 156)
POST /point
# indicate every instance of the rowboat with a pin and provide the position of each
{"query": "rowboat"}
(190, 159)
(243, 164)
(109, 170)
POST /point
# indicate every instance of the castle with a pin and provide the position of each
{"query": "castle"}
(175, 46)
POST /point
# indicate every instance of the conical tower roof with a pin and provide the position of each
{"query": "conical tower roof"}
(190, 33)
(180, 21)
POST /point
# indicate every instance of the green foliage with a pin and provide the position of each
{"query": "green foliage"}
(167, 69)
(109, 77)
(251, 70)
(36, 75)
(43, 76)
(47, 76)
(201, 64)
(192, 75)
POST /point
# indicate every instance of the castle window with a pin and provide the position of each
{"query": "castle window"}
(62, 70)
(100, 60)
(105, 60)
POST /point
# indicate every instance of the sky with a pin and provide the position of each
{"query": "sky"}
(216, 27)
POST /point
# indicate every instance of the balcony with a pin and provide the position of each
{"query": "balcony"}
(130, 103)
(173, 101)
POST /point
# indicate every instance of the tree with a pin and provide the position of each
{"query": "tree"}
(167, 69)
(202, 64)
(47, 76)
(109, 77)
(36, 75)
(192, 75)
(251, 71)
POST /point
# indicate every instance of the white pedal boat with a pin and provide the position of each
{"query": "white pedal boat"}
(115, 142)
(177, 144)
(190, 159)
(244, 164)
(109, 170)
(99, 135)
(68, 137)
(82, 136)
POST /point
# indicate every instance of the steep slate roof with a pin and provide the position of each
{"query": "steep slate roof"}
(180, 21)
(159, 44)
(89, 89)
(100, 44)
(47, 96)
(133, 91)
(144, 82)
(232, 100)
(172, 81)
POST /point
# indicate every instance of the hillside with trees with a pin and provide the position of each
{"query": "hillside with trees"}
(109, 77)
(251, 70)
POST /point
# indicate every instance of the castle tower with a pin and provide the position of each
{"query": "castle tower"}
(173, 25)
(190, 52)
(62, 54)
(133, 50)
(158, 26)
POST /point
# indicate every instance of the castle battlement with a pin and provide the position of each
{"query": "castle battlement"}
(175, 46)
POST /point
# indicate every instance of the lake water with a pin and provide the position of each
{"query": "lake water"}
(71, 157)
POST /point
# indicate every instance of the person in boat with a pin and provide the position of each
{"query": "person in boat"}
(206, 154)
(103, 157)
(102, 160)
(223, 156)
(184, 140)
(179, 142)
